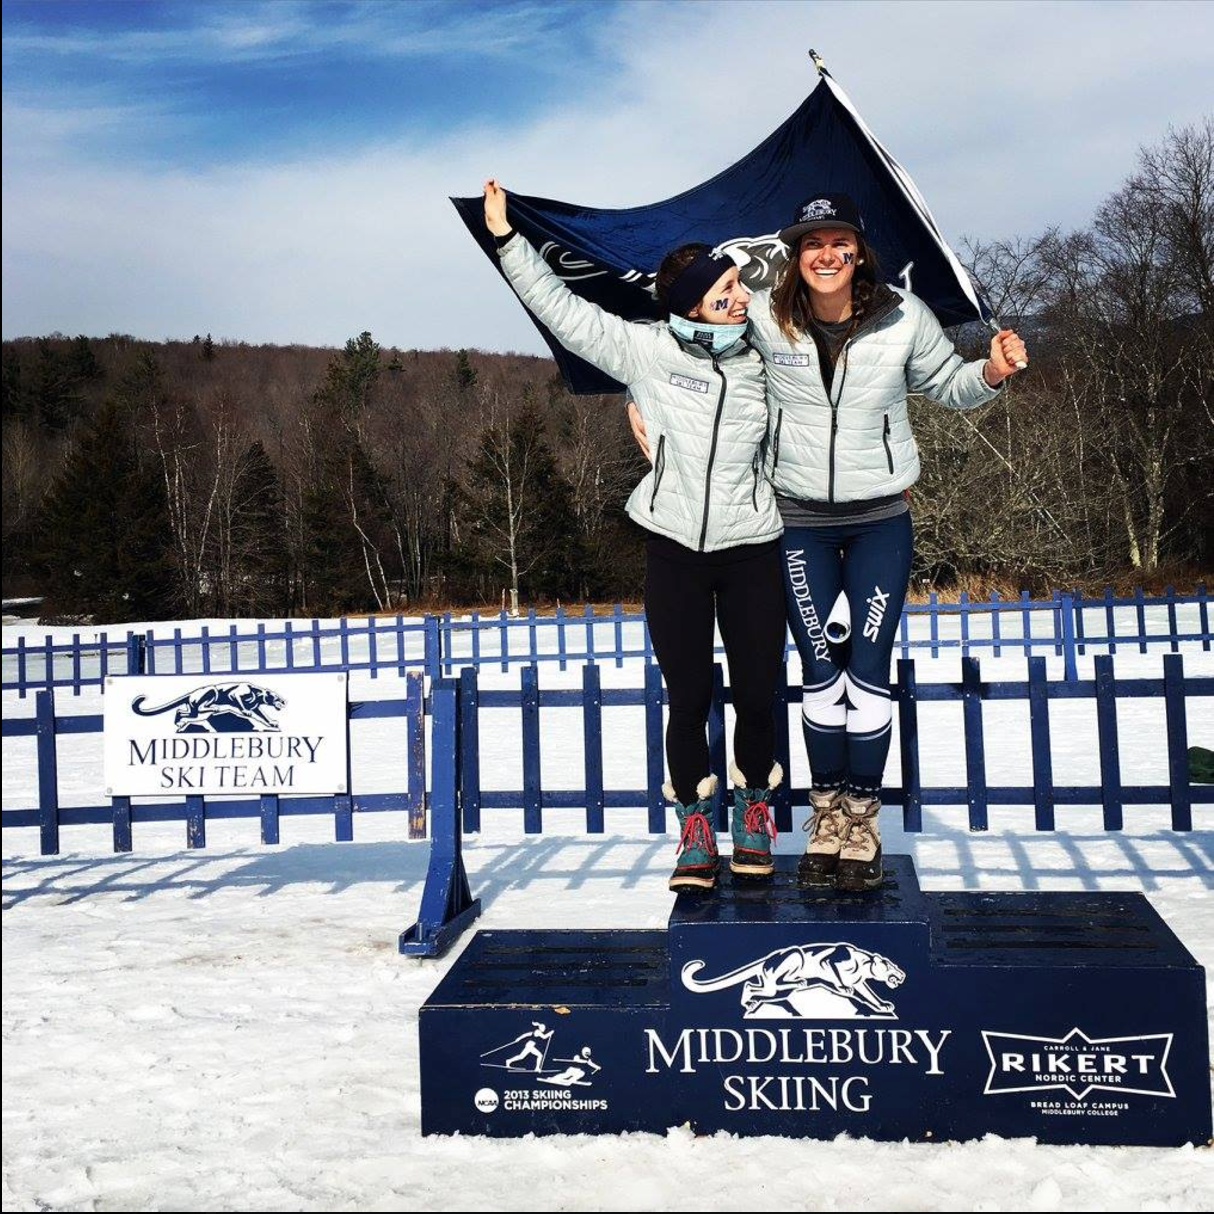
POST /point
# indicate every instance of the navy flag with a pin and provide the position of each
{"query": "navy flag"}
(610, 257)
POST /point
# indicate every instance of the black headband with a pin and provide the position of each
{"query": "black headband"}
(692, 285)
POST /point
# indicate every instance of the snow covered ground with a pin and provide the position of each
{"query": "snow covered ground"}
(234, 1029)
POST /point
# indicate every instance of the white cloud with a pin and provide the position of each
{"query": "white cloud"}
(1010, 117)
(291, 29)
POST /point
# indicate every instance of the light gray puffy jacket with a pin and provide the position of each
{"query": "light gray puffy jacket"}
(856, 442)
(705, 416)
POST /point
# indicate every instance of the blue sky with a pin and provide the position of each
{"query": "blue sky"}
(279, 171)
(251, 79)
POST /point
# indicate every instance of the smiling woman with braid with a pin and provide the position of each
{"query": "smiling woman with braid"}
(843, 350)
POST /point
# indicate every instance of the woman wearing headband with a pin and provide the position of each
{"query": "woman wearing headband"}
(712, 548)
(843, 350)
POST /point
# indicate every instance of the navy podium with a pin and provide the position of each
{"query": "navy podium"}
(771, 1009)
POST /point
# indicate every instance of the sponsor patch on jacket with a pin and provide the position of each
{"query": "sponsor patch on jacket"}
(686, 381)
(790, 360)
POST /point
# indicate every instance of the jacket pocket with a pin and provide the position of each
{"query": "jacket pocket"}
(889, 455)
(775, 441)
(754, 468)
(659, 467)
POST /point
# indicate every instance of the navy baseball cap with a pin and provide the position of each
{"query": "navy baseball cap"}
(822, 211)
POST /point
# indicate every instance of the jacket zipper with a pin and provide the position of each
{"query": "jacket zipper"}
(775, 444)
(754, 494)
(659, 466)
(834, 420)
(712, 451)
(889, 455)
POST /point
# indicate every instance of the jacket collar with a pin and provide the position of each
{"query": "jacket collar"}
(697, 351)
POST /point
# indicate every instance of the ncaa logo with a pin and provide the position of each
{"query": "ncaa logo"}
(486, 1100)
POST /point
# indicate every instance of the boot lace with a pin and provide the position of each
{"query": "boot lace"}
(757, 819)
(823, 824)
(697, 833)
(860, 826)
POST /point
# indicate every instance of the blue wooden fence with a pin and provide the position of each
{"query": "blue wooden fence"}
(1067, 625)
(460, 802)
(49, 815)
(1043, 794)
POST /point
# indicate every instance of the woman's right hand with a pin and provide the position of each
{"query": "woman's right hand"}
(495, 208)
(637, 422)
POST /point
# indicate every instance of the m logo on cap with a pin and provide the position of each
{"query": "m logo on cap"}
(820, 208)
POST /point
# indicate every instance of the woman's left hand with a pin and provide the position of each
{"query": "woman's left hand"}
(1008, 356)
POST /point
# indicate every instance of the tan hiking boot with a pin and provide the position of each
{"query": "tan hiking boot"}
(825, 826)
(860, 855)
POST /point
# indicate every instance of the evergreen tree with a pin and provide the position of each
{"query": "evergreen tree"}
(345, 522)
(208, 349)
(52, 390)
(16, 398)
(465, 372)
(103, 540)
(81, 362)
(260, 564)
(351, 376)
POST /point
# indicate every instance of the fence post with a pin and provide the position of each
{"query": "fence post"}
(908, 745)
(1106, 728)
(1066, 613)
(533, 817)
(1039, 732)
(654, 750)
(343, 803)
(470, 755)
(716, 744)
(560, 635)
(782, 753)
(433, 656)
(136, 653)
(592, 747)
(48, 772)
(415, 746)
(1173, 630)
(975, 745)
(1178, 743)
(1203, 615)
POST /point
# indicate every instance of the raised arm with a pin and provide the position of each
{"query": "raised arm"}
(939, 372)
(624, 350)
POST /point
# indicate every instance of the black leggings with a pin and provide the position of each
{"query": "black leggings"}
(741, 588)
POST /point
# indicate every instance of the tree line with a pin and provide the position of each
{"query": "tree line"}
(191, 479)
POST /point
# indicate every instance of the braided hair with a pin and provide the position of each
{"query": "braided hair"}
(790, 300)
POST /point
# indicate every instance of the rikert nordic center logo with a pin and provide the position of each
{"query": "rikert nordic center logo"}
(1078, 1064)
(220, 708)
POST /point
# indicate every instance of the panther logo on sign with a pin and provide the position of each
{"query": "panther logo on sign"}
(808, 982)
(220, 708)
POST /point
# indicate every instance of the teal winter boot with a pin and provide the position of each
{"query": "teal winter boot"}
(753, 827)
(697, 855)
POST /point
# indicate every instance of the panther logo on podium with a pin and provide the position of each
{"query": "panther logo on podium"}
(808, 982)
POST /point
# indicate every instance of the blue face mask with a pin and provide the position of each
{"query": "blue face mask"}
(714, 338)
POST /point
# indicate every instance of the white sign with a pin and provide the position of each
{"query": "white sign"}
(216, 734)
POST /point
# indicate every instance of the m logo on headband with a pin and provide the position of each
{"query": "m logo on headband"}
(820, 208)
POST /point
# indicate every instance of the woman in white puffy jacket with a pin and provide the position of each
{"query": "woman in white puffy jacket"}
(712, 552)
(843, 350)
